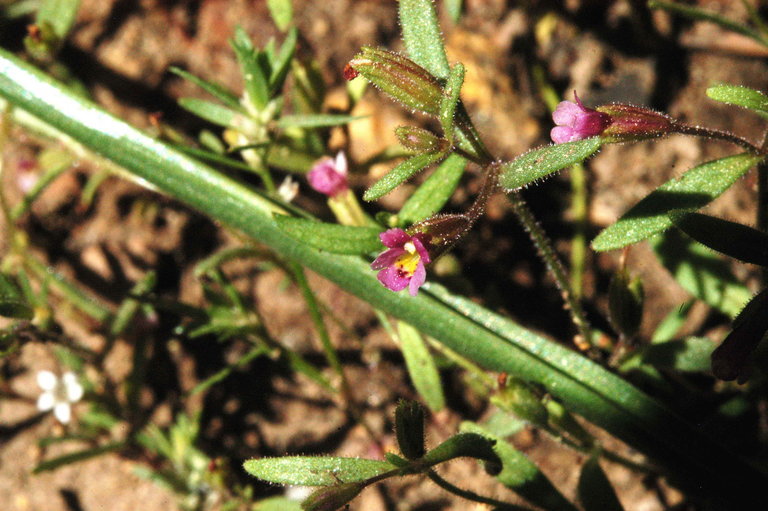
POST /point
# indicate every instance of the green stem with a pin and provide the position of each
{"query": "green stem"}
(700, 131)
(554, 265)
(451, 488)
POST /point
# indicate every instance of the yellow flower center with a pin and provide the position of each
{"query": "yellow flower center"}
(408, 262)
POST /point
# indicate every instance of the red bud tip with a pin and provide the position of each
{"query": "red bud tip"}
(350, 72)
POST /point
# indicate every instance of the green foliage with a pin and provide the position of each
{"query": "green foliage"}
(434, 192)
(729, 238)
(401, 173)
(282, 13)
(740, 96)
(333, 238)
(451, 99)
(421, 366)
(701, 272)
(13, 304)
(693, 190)
(422, 36)
(315, 471)
(540, 163)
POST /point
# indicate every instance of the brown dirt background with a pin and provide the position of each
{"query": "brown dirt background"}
(122, 49)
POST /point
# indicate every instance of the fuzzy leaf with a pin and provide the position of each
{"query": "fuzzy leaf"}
(421, 33)
(212, 88)
(693, 190)
(451, 99)
(595, 490)
(401, 173)
(209, 111)
(729, 238)
(316, 121)
(541, 162)
(740, 96)
(315, 471)
(701, 272)
(334, 238)
(421, 366)
(432, 195)
(277, 504)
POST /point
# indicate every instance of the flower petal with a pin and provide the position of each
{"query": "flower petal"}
(387, 258)
(421, 249)
(341, 163)
(566, 113)
(73, 388)
(562, 134)
(46, 401)
(46, 380)
(394, 238)
(63, 412)
(418, 279)
(393, 279)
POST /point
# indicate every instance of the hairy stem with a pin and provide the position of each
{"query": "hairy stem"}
(700, 131)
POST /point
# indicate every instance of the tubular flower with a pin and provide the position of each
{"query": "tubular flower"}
(329, 176)
(577, 122)
(403, 265)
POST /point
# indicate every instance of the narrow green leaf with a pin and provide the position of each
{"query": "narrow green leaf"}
(401, 173)
(729, 238)
(701, 272)
(75, 457)
(595, 490)
(421, 33)
(696, 13)
(541, 162)
(521, 475)
(282, 62)
(740, 96)
(315, 471)
(277, 504)
(214, 89)
(59, 14)
(334, 238)
(673, 322)
(686, 355)
(12, 302)
(421, 366)
(451, 99)
(316, 121)
(435, 192)
(454, 9)
(255, 75)
(281, 12)
(693, 190)
(462, 445)
(211, 112)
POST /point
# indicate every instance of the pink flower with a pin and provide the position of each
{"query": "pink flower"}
(403, 264)
(329, 176)
(576, 122)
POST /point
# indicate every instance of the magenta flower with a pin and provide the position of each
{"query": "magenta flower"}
(329, 176)
(403, 265)
(576, 122)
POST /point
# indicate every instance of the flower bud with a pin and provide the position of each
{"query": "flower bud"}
(332, 498)
(409, 428)
(399, 77)
(420, 140)
(628, 122)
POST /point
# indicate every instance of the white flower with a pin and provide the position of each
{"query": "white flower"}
(288, 189)
(58, 394)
